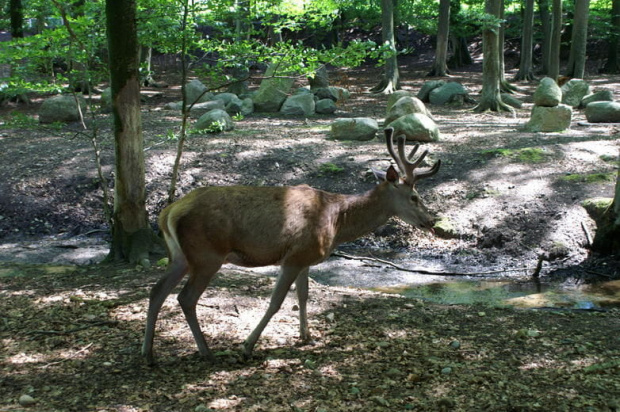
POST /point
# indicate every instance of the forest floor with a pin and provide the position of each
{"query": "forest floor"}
(71, 328)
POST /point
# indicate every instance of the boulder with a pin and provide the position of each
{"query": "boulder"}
(320, 79)
(196, 92)
(548, 93)
(416, 127)
(550, 119)
(332, 92)
(360, 128)
(225, 97)
(427, 88)
(394, 97)
(273, 90)
(247, 106)
(406, 105)
(600, 96)
(325, 106)
(446, 93)
(61, 108)
(299, 105)
(573, 91)
(215, 121)
(603, 112)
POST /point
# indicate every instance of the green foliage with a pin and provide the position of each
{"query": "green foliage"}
(19, 120)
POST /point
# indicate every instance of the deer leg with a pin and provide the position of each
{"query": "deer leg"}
(283, 284)
(188, 298)
(302, 297)
(177, 270)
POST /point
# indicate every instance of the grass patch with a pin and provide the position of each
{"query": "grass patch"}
(327, 169)
(589, 178)
(525, 155)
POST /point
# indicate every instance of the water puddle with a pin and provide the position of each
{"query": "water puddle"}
(523, 294)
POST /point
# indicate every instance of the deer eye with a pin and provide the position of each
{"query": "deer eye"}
(415, 198)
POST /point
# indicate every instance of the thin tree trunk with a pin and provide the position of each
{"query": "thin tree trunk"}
(391, 80)
(440, 67)
(490, 98)
(613, 62)
(504, 84)
(525, 66)
(577, 60)
(131, 234)
(547, 28)
(556, 37)
(16, 11)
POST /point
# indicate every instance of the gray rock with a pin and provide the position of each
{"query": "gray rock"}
(320, 79)
(325, 106)
(573, 91)
(548, 93)
(406, 105)
(299, 105)
(603, 112)
(445, 93)
(416, 127)
(427, 88)
(61, 108)
(273, 90)
(196, 92)
(225, 97)
(332, 92)
(394, 97)
(360, 128)
(600, 96)
(550, 119)
(247, 106)
(215, 121)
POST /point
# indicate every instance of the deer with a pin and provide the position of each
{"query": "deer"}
(295, 227)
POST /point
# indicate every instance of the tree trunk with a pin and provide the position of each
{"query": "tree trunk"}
(131, 234)
(16, 12)
(547, 27)
(490, 98)
(460, 52)
(525, 66)
(390, 81)
(556, 37)
(440, 67)
(612, 65)
(607, 238)
(577, 60)
(504, 85)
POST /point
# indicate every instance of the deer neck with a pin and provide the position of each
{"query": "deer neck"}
(360, 214)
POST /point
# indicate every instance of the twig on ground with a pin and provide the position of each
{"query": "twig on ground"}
(426, 271)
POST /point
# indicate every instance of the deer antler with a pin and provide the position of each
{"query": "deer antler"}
(406, 166)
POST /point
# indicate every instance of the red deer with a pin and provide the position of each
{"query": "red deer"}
(295, 227)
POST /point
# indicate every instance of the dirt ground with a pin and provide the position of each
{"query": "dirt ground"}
(70, 335)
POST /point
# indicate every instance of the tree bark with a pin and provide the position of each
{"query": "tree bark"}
(577, 59)
(607, 238)
(612, 65)
(525, 66)
(490, 98)
(547, 26)
(16, 12)
(440, 67)
(504, 84)
(391, 80)
(131, 234)
(556, 37)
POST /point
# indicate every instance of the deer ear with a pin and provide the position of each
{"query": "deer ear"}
(392, 175)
